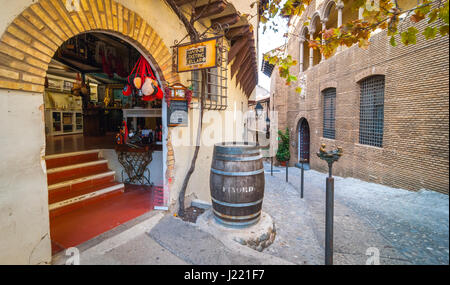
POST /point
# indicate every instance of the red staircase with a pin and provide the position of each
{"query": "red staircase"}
(77, 179)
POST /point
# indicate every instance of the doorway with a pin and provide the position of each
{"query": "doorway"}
(90, 191)
(303, 141)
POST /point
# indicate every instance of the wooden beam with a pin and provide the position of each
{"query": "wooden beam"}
(242, 66)
(245, 61)
(243, 71)
(208, 10)
(248, 74)
(238, 31)
(242, 55)
(236, 47)
(183, 2)
(252, 86)
(227, 20)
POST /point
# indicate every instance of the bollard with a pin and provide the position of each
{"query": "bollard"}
(330, 157)
(301, 183)
(329, 220)
(287, 169)
(271, 166)
(301, 165)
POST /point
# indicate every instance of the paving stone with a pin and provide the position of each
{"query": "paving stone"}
(401, 224)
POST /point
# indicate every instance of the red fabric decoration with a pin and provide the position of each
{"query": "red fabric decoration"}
(159, 95)
(126, 90)
(142, 69)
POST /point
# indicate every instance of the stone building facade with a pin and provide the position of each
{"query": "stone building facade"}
(401, 140)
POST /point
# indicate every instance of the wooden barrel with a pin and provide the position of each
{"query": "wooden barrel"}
(237, 184)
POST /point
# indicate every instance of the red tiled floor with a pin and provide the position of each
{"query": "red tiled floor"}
(78, 142)
(83, 224)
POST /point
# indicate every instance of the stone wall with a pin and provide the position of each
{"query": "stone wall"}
(415, 151)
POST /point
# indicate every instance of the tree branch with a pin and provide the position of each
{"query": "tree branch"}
(187, 24)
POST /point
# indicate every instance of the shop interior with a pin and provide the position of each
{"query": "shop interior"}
(87, 108)
(84, 99)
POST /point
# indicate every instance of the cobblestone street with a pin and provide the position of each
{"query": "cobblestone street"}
(404, 227)
(370, 221)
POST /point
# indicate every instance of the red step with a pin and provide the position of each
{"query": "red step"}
(78, 179)
(83, 203)
(64, 159)
(62, 194)
(70, 172)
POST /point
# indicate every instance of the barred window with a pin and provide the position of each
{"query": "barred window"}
(371, 112)
(329, 113)
(195, 81)
(212, 77)
(212, 83)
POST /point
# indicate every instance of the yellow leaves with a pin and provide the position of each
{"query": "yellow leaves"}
(430, 32)
(328, 34)
(417, 17)
(363, 43)
(409, 36)
(383, 25)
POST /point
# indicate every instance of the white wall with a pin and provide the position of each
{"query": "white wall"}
(24, 219)
(155, 167)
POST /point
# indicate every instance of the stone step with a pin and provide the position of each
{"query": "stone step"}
(70, 201)
(82, 182)
(70, 158)
(70, 172)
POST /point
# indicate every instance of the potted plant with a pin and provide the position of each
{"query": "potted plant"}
(283, 154)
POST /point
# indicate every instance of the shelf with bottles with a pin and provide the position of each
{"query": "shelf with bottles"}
(62, 122)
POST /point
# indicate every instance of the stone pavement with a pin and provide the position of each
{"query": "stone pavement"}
(404, 227)
(400, 226)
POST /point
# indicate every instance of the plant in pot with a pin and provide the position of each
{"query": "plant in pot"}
(283, 154)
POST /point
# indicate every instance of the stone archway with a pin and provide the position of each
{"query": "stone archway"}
(30, 41)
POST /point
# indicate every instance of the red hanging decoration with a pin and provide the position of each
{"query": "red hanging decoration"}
(143, 71)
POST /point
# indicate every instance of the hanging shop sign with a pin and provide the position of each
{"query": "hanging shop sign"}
(199, 55)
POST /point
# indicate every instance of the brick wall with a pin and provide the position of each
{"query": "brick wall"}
(28, 44)
(415, 152)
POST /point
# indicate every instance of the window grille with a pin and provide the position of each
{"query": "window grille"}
(329, 113)
(216, 78)
(195, 81)
(371, 116)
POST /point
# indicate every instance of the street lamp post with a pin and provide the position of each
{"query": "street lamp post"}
(270, 146)
(330, 157)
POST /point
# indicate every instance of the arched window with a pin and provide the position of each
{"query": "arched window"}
(316, 28)
(329, 113)
(371, 112)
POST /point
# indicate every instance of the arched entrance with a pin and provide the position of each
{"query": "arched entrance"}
(303, 141)
(29, 43)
